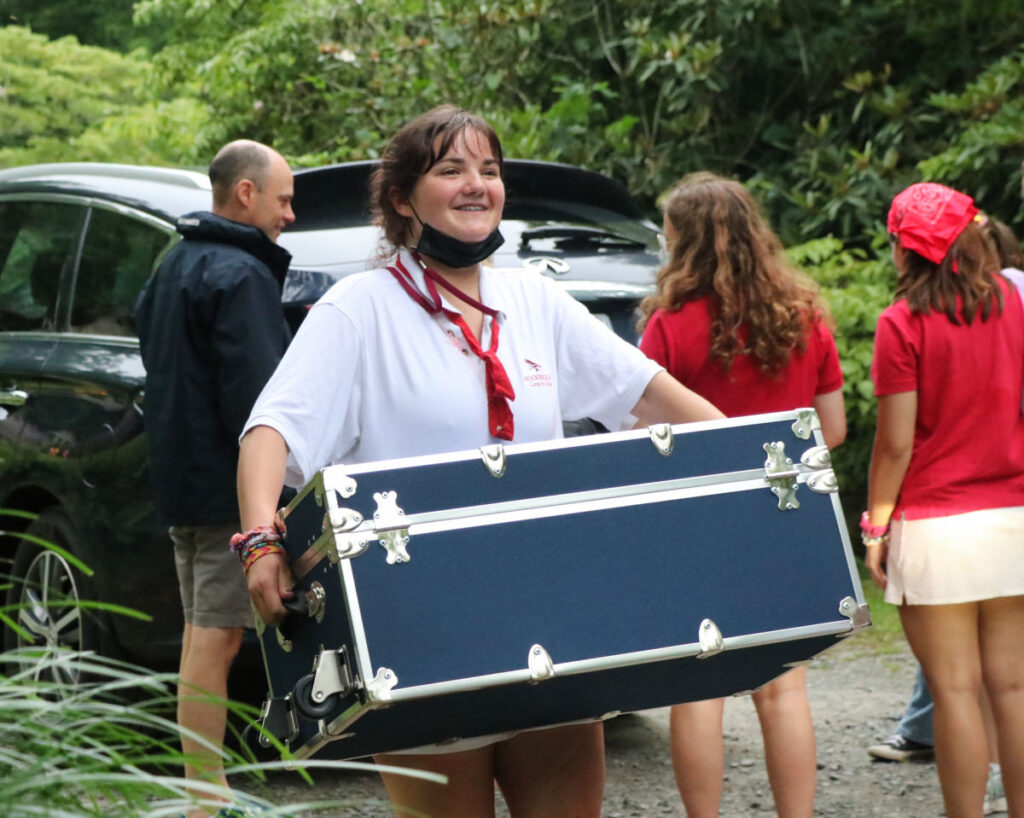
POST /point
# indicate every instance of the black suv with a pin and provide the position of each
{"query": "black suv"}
(77, 242)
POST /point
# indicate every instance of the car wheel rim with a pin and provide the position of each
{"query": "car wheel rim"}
(50, 613)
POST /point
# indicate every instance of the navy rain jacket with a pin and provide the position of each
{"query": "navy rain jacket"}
(212, 331)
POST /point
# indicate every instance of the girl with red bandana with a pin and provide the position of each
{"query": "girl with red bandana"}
(944, 529)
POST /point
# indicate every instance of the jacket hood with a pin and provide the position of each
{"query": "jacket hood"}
(205, 226)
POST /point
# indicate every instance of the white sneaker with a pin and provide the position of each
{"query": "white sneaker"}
(995, 795)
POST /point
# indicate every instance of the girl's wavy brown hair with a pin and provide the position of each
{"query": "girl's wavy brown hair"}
(969, 271)
(725, 250)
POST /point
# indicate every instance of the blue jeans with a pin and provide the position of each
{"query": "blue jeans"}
(916, 723)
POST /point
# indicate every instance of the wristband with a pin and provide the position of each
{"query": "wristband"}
(254, 536)
(872, 531)
(873, 542)
(258, 551)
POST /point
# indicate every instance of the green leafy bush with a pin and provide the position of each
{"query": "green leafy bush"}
(67, 102)
(983, 155)
(828, 107)
(857, 285)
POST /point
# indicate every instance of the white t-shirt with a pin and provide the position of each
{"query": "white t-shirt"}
(371, 375)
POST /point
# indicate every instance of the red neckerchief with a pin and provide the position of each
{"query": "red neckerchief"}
(499, 389)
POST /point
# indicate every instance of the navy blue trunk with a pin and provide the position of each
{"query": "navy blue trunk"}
(529, 585)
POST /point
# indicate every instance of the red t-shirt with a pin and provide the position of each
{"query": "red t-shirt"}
(969, 433)
(681, 342)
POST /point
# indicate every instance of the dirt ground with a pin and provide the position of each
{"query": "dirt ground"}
(856, 699)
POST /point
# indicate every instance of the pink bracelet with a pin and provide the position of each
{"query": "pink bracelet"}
(872, 531)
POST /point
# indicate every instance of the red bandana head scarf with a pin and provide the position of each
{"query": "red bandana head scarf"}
(927, 218)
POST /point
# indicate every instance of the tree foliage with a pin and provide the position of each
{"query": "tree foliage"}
(64, 101)
(55, 89)
(983, 155)
(826, 107)
(857, 285)
(106, 23)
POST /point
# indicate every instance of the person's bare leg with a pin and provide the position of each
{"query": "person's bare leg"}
(554, 772)
(698, 755)
(1002, 655)
(789, 747)
(206, 657)
(469, 792)
(991, 739)
(945, 640)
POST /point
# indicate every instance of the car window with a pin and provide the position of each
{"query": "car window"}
(117, 258)
(535, 214)
(38, 242)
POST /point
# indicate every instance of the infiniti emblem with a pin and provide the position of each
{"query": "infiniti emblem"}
(546, 264)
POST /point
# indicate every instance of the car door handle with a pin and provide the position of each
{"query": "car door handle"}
(13, 397)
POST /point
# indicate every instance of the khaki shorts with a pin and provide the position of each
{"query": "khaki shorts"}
(214, 593)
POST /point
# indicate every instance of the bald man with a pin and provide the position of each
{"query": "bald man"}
(212, 330)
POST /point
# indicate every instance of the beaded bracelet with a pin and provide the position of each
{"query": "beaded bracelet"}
(257, 551)
(872, 542)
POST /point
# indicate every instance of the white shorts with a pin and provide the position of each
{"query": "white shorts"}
(960, 558)
(461, 745)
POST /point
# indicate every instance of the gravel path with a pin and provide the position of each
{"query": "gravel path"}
(856, 698)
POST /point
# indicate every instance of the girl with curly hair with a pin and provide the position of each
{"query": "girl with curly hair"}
(733, 321)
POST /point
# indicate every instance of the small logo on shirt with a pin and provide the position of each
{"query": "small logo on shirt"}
(537, 376)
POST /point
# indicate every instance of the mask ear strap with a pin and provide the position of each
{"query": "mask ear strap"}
(417, 215)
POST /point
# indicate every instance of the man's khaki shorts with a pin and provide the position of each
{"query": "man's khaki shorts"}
(214, 593)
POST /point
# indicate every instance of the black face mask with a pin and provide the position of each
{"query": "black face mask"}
(452, 252)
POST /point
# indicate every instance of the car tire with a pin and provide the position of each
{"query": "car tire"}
(45, 595)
